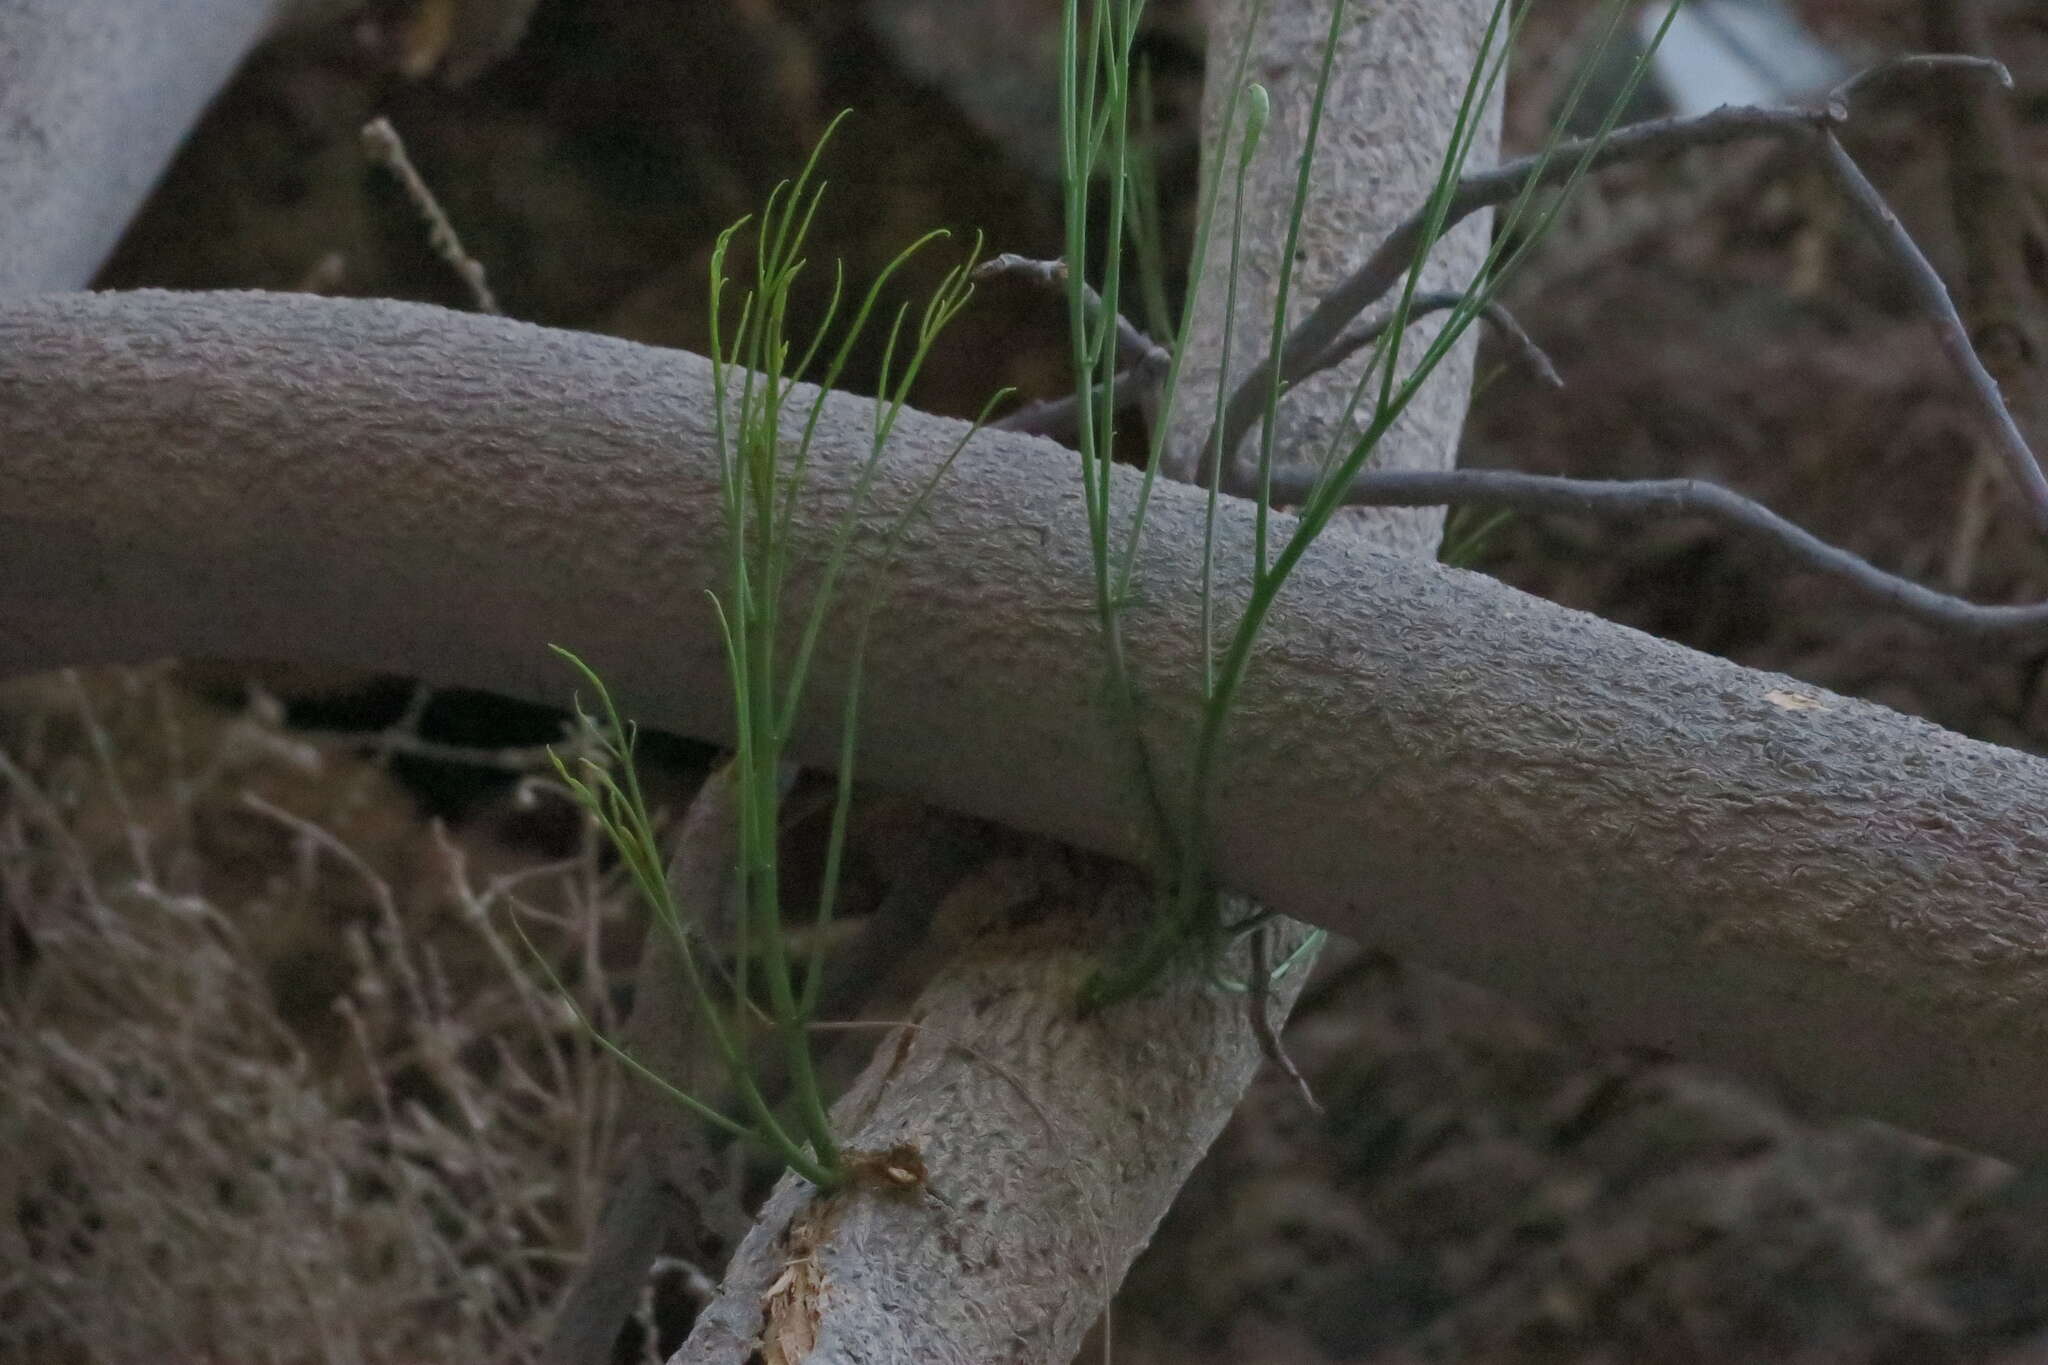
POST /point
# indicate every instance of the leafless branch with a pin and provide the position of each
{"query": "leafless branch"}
(1240, 480)
(1060, 418)
(1259, 1012)
(1383, 269)
(389, 471)
(1141, 362)
(2015, 456)
(1913, 64)
(2001, 223)
(1133, 347)
(1535, 493)
(1323, 328)
(1140, 385)
(1360, 335)
(382, 145)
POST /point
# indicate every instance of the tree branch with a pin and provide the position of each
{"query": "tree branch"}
(1322, 329)
(1673, 850)
(95, 97)
(1629, 498)
(2001, 223)
(1144, 1087)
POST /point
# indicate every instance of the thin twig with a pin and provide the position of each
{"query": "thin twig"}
(382, 145)
(1362, 334)
(1242, 481)
(1141, 386)
(1059, 419)
(1949, 330)
(1913, 64)
(397, 742)
(1536, 493)
(1258, 1008)
(1384, 268)
(1133, 346)
(2001, 223)
(1321, 330)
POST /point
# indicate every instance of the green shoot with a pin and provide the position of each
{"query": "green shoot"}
(1468, 532)
(1146, 229)
(1095, 95)
(764, 450)
(610, 790)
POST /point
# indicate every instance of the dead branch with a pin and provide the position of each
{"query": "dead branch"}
(1139, 385)
(1814, 128)
(1512, 491)
(2001, 220)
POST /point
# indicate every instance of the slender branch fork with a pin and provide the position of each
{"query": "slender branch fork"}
(1334, 330)
(1143, 362)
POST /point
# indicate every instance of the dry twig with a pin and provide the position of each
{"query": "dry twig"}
(382, 145)
(1326, 323)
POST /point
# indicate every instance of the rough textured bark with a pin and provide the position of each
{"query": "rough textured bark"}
(95, 96)
(1206, 1033)
(1665, 846)
(1375, 162)
(1054, 1143)
(1061, 1141)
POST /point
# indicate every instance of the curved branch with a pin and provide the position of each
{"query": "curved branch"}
(1669, 848)
(1796, 885)
(1517, 492)
(1813, 128)
(95, 97)
(1389, 261)
(1062, 1198)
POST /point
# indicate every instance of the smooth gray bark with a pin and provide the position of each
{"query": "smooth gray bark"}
(95, 97)
(1664, 846)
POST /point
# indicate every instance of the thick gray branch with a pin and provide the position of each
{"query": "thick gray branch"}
(1060, 1195)
(1197, 1053)
(1674, 850)
(1669, 848)
(1133, 1097)
(95, 96)
(1054, 1143)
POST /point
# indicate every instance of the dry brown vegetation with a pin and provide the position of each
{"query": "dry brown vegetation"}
(284, 1085)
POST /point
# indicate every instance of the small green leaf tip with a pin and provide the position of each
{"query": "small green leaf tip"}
(1258, 107)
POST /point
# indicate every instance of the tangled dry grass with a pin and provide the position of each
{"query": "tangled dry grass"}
(276, 1080)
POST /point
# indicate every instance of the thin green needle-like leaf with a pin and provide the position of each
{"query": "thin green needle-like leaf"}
(1204, 224)
(1296, 212)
